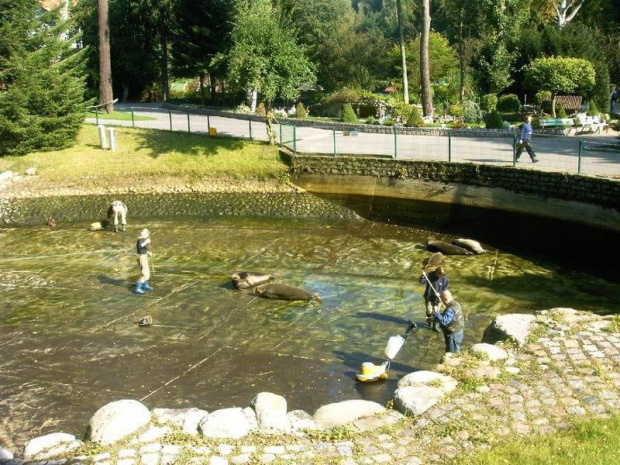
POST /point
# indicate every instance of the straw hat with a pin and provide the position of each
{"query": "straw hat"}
(144, 233)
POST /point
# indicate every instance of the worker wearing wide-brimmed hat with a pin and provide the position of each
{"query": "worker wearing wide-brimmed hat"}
(142, 248)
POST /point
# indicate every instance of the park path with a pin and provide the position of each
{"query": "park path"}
(600, 153)
(567, 373)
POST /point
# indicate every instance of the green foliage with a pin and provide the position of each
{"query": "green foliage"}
(560, 75)
(457, 110)
(508, 103)
(301, 111)
(493, 120)
(348, 115)
(415, 118)
(593, 110)
(349, 95)
(471, 112)
(401, 112)
(488, 102)
(43, 106)
(542, 96)
(264, 54)
(561, 112)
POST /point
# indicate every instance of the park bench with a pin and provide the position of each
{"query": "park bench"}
(556, 123)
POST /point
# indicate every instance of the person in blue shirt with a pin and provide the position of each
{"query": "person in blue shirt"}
(451, 321)
(525, 141)
(436, 281)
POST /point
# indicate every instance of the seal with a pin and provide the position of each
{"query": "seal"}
(434, 261)
(469, 244)
(247, 279)
(444, 247)
(284, 292)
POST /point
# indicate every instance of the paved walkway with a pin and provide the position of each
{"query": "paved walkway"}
(600, 153)
(569, 372)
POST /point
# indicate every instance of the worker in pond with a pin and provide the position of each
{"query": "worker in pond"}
(436, 281)
(451, 321)
(116, 209)
(142, 248)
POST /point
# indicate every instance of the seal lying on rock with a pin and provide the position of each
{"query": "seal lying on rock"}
(247, 279)
(284, 292)
(470, 244)
(444, 247)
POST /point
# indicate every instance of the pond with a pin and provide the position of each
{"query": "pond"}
(69, 343)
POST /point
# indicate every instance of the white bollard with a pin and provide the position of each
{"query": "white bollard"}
(112, 139)
(102, 137)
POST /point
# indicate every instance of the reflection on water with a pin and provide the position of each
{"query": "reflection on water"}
(69, 342)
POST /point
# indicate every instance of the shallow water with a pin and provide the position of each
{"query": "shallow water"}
(69, 343)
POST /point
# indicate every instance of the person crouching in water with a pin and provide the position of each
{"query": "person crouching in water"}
(142, 248)
(451, 321)
(436, 281)
(116, 209)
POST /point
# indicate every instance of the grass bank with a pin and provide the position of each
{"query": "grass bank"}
(149, 158)
(594, 442)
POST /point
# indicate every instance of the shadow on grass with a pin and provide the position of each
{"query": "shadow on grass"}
(160, 142)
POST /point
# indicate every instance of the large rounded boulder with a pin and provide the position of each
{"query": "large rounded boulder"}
(117, 420)
(342, 413)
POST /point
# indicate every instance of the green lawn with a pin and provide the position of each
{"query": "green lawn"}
(144, 154)
(594, 442)
(119, 116)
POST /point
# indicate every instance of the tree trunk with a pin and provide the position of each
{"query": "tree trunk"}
(165, 87)
(213, 82)
(461, 59)
(427, 96)
(105, 64)
(201, 77)
(403, 52)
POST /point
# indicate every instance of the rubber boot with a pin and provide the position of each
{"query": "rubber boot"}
(139, 289)
(147, 286)
(124, 227)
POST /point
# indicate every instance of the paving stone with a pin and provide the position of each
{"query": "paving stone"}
(240, 459)
(225, 449)
(345, 450)
(125, 453)
(150, 449)
(149, 459)
(215, 460)
(275, 450)
(126, 462)
(382, 458)
(576, 410)
(251, 449)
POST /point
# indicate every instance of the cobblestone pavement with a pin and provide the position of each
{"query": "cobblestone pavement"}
(567, 374)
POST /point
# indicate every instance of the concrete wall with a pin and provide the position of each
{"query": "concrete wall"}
(587, 200)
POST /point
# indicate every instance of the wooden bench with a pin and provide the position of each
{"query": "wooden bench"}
(556, 123)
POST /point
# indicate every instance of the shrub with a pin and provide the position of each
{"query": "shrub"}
(493, 120)
(561, 112)
(260, 109)
(456, 110)
(458, 125)
(372, 120)
(401, 112)
(508, 103)
(542, 96)
(349, 95)
(472, 112)
(593, 111)
(415, 118)
(301, 111)
(348, 115)
(488, 102)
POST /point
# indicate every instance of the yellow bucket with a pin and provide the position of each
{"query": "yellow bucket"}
(213, 132)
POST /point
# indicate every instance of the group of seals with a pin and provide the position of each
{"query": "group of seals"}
(458, 247)
(249, 279)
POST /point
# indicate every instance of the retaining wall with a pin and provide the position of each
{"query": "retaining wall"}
(587, 200)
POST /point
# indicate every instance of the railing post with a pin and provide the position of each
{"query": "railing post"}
(294, 139)
(250, 123)
(133, 119)
(334, 137)
(395, 142)
(170, 118)
(579, 157)
(449, 146)
(189, 128)
(208, 125)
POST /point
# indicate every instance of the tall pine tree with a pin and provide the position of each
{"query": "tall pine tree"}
(42, 101)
